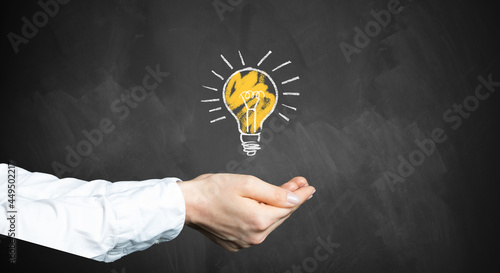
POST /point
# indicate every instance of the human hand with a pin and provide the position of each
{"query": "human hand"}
(238, 211)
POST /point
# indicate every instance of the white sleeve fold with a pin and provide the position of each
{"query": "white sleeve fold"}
(98, 219)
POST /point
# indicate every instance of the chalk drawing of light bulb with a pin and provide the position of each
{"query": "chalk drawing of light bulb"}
(251, 96)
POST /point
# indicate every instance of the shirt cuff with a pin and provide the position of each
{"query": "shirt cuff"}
(145, 215)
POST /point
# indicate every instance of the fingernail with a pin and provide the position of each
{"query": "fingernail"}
(293, 198)
(311, 195)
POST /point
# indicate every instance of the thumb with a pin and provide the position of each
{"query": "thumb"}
(270, 194)
(295, 184)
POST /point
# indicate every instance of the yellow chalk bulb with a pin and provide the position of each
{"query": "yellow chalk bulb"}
(251, 96)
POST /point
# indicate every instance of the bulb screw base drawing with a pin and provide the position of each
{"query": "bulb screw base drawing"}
(250, 143)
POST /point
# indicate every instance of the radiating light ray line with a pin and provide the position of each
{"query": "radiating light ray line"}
(241, 58)
(265, 57)
(228, 64)
(219, 76)
(284, 117)
(210, 100)
(291, 94)
(281, 65)
(210, 88)
(290, 80)
(290, 107)
(217, 119)
(215, 109)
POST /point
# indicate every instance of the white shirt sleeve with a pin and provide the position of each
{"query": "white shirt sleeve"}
(100, 220)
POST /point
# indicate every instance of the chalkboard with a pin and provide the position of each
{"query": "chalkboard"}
(387, 107)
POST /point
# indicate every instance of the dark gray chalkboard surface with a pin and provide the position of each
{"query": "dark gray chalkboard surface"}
(393, 118)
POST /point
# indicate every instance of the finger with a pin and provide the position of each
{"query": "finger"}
(276, 224)
(295, 183)
(207, 230)
(290, 211)
(227, 245)
(304, 193)
(216, 237)
(259, 190)
(277, 213)
(230, 246)
(301, 181)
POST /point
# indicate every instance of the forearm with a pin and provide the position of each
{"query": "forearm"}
(97, 219)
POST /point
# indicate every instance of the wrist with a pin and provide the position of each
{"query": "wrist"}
(188, 194)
